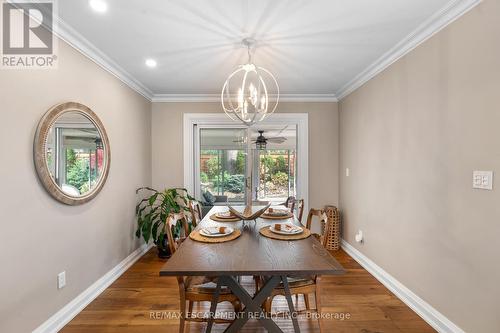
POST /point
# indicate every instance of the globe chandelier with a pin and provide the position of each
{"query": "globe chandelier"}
(245, 94)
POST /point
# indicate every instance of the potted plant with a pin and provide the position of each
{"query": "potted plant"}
(152, 212)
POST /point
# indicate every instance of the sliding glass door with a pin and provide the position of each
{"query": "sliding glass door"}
(222, 164)
(222, 160)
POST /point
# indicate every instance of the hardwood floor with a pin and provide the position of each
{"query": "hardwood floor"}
(141, 301)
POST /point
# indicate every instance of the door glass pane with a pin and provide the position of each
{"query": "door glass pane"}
(222, 164)
(275, 165)
(276, 174)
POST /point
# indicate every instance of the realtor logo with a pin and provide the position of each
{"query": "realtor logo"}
(27, 39)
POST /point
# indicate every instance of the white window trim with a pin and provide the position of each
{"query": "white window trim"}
(301, 120)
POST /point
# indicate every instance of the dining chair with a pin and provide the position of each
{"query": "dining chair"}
(195, 288)
(300, 209)
(302, 285)
(289, 203)
(320, 215)
(195, 212)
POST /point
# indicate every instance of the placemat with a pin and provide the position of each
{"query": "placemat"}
(218, 219)
(271, 217)
(195, 235)
(268, 233)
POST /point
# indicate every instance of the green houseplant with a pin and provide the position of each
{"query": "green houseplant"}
(152, 212)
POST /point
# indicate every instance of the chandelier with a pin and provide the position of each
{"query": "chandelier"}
(245, 94)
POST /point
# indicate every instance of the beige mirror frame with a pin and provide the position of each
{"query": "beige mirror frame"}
(40, 156)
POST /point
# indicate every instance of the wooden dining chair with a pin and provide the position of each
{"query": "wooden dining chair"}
(289, 203)
(195, 212)
(195, 288)
(303, 285)
(299, 286)
(320, 215)
(300, 209)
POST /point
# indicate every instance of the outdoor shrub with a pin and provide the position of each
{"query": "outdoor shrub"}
(231, 183)
(203, 177)
(280, 178)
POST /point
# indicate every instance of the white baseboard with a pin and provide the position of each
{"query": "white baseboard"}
(70, 310)
(432, 316)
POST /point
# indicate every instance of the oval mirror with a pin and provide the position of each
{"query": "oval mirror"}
(72, 154)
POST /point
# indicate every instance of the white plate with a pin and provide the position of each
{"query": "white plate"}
(281, 232)
(277, 212)
(225, 215)
(229, 231)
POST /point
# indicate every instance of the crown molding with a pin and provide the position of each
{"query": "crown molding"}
(452, 11)
(69, 35)
(84, 46)
(171, 98)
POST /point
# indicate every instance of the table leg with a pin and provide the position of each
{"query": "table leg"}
(288, 296)
(253, 305)
(213, 306)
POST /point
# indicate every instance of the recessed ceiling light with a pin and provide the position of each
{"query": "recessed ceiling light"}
(151, 63)
(99, 6)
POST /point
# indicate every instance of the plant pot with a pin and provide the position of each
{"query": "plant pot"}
(163, 249)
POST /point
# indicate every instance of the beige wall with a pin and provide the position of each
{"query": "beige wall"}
(41, 237)
(167, 146)
(411, 138)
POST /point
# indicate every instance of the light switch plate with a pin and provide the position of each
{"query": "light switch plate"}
(482, 180)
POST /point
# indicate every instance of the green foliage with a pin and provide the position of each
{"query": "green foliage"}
(239, 166)
(152, 212)
(280, 179)
(203, 177)
(213, 167)
(280, 165)
(70, 158)
(77, 174)
(231, 183)
(86, 187)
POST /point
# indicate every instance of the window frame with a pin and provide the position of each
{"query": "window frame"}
(192, 122)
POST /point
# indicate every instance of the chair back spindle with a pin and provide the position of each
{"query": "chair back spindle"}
(172, 221)
(195, 212)
(300, 209)
(290, 203)
(321, 216)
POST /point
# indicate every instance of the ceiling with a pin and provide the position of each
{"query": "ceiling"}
(314, 47)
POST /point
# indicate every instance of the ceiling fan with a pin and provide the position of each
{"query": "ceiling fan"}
(261, 141)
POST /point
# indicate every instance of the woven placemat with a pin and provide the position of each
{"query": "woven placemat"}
(268, 233)
(271, 217)
(218, 219)
(195, 235)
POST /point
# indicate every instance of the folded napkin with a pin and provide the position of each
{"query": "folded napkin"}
(277, 212)
(287, 227)
(226, 214)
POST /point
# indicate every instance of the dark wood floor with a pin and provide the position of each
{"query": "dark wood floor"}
(140, 301)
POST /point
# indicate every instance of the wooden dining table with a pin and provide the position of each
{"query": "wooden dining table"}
(251, 254)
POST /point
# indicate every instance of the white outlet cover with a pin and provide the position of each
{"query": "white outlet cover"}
(482, 180)
(347, 172)
(359, 236)
(61, 280)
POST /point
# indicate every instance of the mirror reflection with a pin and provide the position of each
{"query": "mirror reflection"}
(75, 154)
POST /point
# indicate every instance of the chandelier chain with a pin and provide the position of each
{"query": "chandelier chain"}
(249, 52)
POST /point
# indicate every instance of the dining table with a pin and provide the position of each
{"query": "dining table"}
(251, 254)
